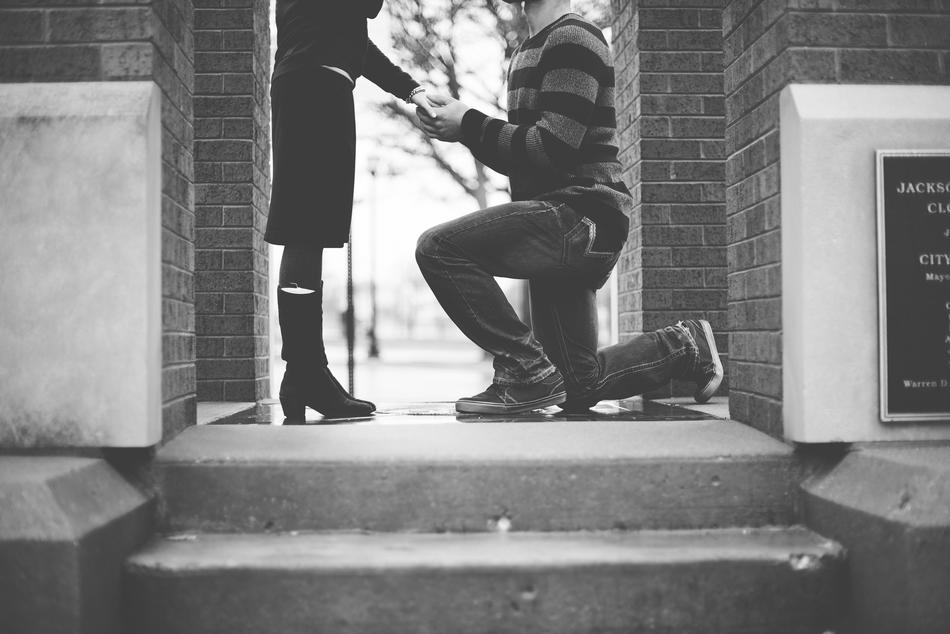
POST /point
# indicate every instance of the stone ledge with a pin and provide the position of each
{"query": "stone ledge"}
(890, 507)
(556, 475)
(67, 526)
(771, 580)
(80, 251)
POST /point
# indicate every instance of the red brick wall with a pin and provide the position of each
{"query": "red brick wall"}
(59, 40)
(769, 44)
(232, 173)
(668, 58)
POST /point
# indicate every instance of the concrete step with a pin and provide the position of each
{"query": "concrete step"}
(550, 476)
(759, 581)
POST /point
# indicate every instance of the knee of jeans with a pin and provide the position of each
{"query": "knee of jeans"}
(428, 245)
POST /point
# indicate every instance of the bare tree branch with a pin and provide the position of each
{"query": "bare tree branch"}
(426, 38)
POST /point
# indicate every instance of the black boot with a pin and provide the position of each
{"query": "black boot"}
(307, 381)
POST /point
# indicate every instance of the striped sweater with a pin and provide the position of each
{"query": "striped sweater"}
(560, 141)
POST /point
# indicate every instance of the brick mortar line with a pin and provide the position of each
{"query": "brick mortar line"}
(830, 49)
(759, 202)
(174, 299)
(748, 46)
(175, 233)
(682, 138)
(753, 174)
(764, 298)
(763, 135)
(704, 73)
(677, 182)
(750, 240)
(177, 365)
(178, 269)
(740, 150)
(680, 225)
(896, 13)
(181, 79)
(681, 30)
(756, 267)
(48, 8)
(748, 79)
(886, 47)
(772, 397)
(704, 51)
(177, 399)
(681, 94)
(221, 73)
(746, 17)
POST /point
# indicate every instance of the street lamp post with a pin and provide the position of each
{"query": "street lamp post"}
(371, 334)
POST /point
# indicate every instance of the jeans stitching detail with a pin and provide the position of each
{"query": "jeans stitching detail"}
(458, 290)
(529, 378)
(639, 368)
(562, 346)
(527, 212)
(592, 233)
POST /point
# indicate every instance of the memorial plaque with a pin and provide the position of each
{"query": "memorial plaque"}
(914, 280)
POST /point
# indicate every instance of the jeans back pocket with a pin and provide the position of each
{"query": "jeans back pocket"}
(581, 257)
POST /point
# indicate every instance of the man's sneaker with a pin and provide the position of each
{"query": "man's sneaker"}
(707, 368)
(513, 399)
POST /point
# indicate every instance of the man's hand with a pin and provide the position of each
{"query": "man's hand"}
(446, 124)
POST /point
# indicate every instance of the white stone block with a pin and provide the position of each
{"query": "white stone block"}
(829, 136)
(80, 256)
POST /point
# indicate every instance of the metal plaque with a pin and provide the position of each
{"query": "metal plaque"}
(913, 207)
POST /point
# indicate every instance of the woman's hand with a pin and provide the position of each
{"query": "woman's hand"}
(422, 103)
(445, 123)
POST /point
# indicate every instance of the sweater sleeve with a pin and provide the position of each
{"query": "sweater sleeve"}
(378, 69)
(572, 70)
(370, 8)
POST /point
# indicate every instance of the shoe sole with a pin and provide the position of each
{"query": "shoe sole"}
(485, 407)
(706, 392)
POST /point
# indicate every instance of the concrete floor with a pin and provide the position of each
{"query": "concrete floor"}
(268, 412)
(418, 382)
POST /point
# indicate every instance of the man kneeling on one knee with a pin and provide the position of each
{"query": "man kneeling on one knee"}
(563, 233)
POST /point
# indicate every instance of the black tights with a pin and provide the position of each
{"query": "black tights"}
(301, 267)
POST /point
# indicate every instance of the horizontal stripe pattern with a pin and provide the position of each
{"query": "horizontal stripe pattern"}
(560, 140)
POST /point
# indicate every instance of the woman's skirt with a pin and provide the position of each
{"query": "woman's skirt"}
(314, 152)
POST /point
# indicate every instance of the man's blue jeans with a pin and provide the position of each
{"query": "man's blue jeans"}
(551, 246)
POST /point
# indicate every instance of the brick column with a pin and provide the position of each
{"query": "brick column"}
(770, 44)
(232, 171)
(54, 41)
(668, 55)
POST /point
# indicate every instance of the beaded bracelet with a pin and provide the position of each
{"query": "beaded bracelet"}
(415, 91)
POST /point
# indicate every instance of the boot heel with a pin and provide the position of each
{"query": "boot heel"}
(294, 408)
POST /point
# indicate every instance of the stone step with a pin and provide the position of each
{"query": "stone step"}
(780, 581)
(550, 476)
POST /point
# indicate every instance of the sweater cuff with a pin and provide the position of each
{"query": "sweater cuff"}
(405, 86)
(472, 122)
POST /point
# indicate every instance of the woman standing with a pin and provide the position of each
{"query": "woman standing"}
(322, 48)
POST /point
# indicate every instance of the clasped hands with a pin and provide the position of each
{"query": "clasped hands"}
(441, 117)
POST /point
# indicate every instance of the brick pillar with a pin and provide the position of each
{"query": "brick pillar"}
(770, 44)
(232, 176)
(669, 60)
(53, 41)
